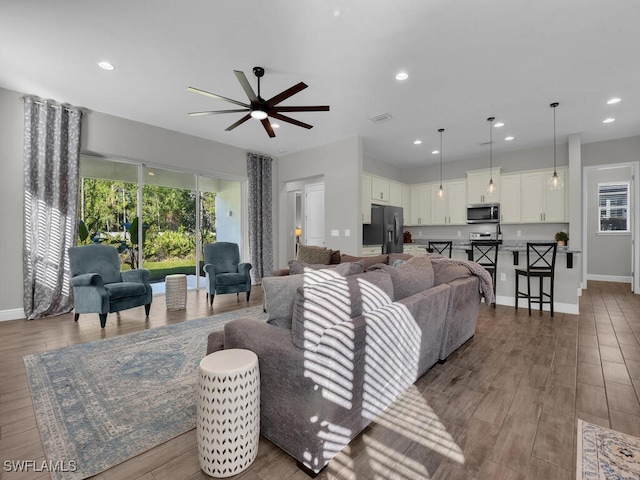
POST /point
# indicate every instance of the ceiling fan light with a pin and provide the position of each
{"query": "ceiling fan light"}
(259, 114)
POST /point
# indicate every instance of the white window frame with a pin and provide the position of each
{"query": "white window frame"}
(627, 207)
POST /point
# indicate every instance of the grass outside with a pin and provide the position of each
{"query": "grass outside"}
(171, 266)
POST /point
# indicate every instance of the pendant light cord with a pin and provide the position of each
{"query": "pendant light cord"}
(441, 131)
(554, 105)
(491, 119)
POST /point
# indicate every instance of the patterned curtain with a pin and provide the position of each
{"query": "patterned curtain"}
(51, 170)
(260, 216)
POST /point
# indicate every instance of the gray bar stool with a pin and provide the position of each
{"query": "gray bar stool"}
(541, 264)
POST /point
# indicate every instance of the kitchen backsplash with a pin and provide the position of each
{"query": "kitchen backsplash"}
(509, 232)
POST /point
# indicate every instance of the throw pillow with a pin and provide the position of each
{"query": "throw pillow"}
(313, 254)
(323, 305)
(413, 276)
(279, 294)
(335, 257)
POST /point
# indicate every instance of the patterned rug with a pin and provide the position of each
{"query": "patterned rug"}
(98, 404)
(606, 454)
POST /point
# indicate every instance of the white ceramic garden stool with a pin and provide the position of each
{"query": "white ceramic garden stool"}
(228, 427)
(176, 291)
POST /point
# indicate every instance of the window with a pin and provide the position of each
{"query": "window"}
(613, 205)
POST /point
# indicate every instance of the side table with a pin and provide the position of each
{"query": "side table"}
(176, 292)
(228, 424)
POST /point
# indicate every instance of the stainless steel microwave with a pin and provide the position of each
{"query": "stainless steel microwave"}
(483, 213)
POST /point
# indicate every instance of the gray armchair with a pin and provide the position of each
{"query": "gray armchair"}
(225, 273)
(100, 287)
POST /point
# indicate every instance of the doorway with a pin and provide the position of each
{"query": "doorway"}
(610, 224)
(313, 230)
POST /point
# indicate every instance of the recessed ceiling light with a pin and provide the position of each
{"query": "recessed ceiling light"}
(509, 138)
(417, 142)
(275, 125)
(613, 100)
(106, 65)
(435, 152)
(402, 76)
(609, 120)
(499, 124)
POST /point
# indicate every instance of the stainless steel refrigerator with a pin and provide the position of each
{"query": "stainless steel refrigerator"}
(385, 229)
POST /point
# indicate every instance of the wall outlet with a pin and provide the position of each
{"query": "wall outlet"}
(459, 233)
(420, 233)
(347, 233)
(335, 233)
(518, 233)
(503, 277)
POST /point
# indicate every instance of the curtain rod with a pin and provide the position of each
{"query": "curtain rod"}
(54, 105)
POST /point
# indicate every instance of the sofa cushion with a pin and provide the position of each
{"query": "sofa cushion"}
(320, 306)
(368, 261)
(413, 276)
(344, 269)
(313, 254)
(279, 292)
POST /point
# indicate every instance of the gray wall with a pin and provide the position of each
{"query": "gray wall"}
(607, 254)
(104, 135)
(531, 159)
(341, 165)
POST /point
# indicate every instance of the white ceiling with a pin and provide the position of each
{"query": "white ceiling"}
(467, 60)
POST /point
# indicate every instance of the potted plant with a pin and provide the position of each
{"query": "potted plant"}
(562, 238)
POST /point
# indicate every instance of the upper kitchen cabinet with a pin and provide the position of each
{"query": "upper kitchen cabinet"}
(395, 194)
(420, 205)
(366, 199)
(451, 209)
(477, 182)
(539, 203)
(510, 198)
(380, 191)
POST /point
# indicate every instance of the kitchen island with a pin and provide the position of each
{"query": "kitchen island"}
(512, 255)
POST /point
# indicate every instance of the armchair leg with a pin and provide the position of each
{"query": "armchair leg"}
(103, 319)
(147, 309)
(76, 316)
(211, 300)
(248, 295)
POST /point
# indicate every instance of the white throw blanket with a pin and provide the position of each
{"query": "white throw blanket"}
(486, 283)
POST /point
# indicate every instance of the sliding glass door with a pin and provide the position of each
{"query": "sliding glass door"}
(180, 212)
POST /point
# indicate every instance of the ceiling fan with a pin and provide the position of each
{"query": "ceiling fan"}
(259, 108)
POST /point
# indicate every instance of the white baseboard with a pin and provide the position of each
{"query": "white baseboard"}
(609, 278)
(557, 306)
(13, 314)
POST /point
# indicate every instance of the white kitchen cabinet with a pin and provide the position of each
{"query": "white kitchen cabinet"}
(366, 199)
(395, 194)
(413, 249)
(371, 251)
(420, 205)
(406, 204)
(539, 204)
(477, 182)
(450, 210)
(510, 198)
(379, 191)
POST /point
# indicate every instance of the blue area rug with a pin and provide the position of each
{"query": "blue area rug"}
(98, 404)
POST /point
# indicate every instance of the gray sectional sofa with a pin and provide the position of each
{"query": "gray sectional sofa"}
(338, 349)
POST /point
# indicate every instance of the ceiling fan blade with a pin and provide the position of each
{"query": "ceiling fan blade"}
(246, 86)
(316, 108)
(239, 122)
(215, 112)
(217, 97)
(284, 118)
(286, 94)
(267, 126)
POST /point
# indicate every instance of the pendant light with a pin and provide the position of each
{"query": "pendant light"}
(491, 187)
(440, 193)
(555, 182)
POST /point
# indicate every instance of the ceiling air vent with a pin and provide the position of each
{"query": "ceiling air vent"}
(383, 117)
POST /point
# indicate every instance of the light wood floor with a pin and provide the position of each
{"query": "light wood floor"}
(504, 406)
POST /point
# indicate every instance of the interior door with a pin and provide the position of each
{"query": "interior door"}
(313, 232)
